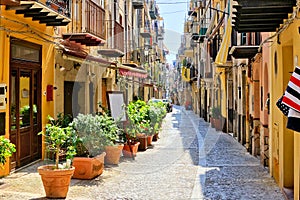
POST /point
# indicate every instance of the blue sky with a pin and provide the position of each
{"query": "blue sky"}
(174, 13)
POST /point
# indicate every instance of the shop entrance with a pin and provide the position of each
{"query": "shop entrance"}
(25, 102)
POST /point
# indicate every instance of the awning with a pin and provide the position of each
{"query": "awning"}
(74, 52)
(223, 51)
(126, 70)
(243, 51)
(92, 60)
(87, 39)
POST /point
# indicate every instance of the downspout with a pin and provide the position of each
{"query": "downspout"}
(126, 30)
(247, 115)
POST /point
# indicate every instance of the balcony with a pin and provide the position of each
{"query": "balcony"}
(10, 2)
(145, 32)
(192, 13)
(117, 49)
(138, 4)
(53, 13)
(153, 11)
(152, 14)
(261, 16)
(90, 31)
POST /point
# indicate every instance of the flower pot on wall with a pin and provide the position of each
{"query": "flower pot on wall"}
(126, 149)
(88, 168)
(113, 154)
(56, 182)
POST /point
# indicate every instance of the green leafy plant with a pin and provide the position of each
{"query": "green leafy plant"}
(156, 114)
(139, 118)
(57, 137)
(216, 112)
(96, 132)
(6, 150)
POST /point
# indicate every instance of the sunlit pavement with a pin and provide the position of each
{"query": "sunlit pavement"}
(190, 161)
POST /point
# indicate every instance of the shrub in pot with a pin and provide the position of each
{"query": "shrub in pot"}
(114, 145)
(95, 133)
(135, 128)
(216, 117)
(6, 150)
(157, 112)
(56, 178)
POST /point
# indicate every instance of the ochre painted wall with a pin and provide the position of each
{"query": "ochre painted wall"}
(15, 23)
(288, 143)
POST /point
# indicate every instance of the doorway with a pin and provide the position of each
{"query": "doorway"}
(25, 112)
(74, 98)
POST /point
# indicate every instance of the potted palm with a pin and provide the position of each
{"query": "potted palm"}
(6, 150)
(56, 178)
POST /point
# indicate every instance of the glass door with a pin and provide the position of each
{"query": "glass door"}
(25, 112)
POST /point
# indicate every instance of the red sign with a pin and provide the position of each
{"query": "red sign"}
(125, 72)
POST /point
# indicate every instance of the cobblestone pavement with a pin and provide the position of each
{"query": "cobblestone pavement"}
(189, 161)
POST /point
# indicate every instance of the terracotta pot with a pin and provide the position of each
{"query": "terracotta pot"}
(149, 140)
(218, 124)
(143, 142)
(88, 168)
(56, 182)
(126, 149)
(155, 137)
(113, 154)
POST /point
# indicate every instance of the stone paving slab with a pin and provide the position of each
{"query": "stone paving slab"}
(190, 161)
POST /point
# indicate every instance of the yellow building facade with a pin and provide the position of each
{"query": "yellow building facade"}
(285, 152)
(27, 71)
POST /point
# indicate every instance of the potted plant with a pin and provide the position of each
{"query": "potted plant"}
(216, 117)
(6, 150)
(114, 145)
(156, 114)
(95, 133)
(136, 128)
(137, 112)
(56, 178)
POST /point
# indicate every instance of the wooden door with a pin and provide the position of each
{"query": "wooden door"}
(25, 113)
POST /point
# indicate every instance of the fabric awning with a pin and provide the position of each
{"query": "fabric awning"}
(75, 52)
(126, 70)
(223, 51)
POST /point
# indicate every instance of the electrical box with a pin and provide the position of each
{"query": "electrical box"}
(3, 99)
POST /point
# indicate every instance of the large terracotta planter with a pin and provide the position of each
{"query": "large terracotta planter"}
(56, 182)
(149, 140)
(88, 168)
(113, 154)
(126, 149)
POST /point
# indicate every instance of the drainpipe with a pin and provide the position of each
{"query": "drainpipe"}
(126, 30)
(247, 117)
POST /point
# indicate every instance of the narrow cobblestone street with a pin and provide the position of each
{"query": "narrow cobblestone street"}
(190, 161)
